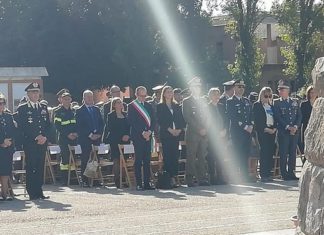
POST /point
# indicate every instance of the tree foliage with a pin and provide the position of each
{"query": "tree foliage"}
(245, 16)
(95, 43)
(302, 23)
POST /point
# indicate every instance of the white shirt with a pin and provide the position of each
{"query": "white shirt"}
(34, 105)
(269, 114)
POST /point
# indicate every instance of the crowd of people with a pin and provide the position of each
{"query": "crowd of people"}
(214, 126)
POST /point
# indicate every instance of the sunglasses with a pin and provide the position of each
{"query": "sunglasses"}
(115, 91)
(241, 86)
(267, 96)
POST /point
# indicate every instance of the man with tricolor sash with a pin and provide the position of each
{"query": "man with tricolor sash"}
(142, 121)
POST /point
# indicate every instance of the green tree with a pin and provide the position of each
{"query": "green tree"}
(302, 23)
(245, 16)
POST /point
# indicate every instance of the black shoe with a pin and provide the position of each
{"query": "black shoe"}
(9, 199)
(204, 183)
(139, 188)
(191, 184)
(293, 177)
(149, 187)
(44, 197)
(85, 185)
(265, 180)
(33, 198)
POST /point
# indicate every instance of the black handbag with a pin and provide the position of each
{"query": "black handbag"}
(163, 180)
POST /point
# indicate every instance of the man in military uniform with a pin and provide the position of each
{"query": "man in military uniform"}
(288, 116)
(65, 123)
(33, 122)
(239, 112)
(194, 110)
(154, 102)
(228, 93)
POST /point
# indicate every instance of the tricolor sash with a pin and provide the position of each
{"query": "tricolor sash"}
(143, 112)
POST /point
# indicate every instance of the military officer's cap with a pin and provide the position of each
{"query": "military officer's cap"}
(195, 82)
(66, 94)
(239, 82)
(229, 83)
(283, 84)
(177, 91)
(60, 92)
(159, 87)
(34, 86)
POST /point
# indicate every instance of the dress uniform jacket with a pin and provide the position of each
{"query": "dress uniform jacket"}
(222, 109)
(239, 112)
(287, 113)
(33, 122)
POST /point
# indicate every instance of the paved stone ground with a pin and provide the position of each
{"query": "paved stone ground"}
(231, 209)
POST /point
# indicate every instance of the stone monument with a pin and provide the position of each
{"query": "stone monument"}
(311, 200)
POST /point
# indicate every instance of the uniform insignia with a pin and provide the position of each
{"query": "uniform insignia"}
(239, 111)
(29, 112)
(237, 105)
(43, 111)
(240, 123)
(30, 119)
(295, 103)
(35, 84)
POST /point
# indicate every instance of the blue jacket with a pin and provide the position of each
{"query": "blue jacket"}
(87, 124)
(239, 112)
(287, 113)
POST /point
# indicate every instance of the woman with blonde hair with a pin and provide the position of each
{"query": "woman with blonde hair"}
(172, 124)
(265, 127)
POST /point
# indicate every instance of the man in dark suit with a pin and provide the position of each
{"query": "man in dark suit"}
(89, 128)
(34, 124)
(142, 121)
(239, 111)
(288, 116)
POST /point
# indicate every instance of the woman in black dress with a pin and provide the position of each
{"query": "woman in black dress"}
(7, 132)
(172, 124)
(117, 133)
(266, 129)
(306, 110)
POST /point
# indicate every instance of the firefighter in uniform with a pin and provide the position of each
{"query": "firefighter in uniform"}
(239, 111)
(33, 122)
(65, 123)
